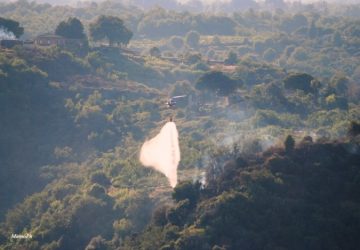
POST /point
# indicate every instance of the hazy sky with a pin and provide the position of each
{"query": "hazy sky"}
(61, 2)
(204, 1)
(303, 1)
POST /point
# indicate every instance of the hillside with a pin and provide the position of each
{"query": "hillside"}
(266, 104)
(274, 200)
(42, 125)
(270, 200)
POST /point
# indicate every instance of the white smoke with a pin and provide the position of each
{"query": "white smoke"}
(6, 35)
(162, 152)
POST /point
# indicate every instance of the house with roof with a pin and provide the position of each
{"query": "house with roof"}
(49, 40)
(46, 40)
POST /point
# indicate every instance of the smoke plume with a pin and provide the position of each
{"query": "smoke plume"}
(6, 35)
(162, 152)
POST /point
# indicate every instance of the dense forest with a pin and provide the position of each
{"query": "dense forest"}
(269, 126)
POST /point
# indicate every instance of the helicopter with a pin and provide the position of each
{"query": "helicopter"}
(172, 100)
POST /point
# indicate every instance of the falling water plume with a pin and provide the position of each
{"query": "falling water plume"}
(162, 152)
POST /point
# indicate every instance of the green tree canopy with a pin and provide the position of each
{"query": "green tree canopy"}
(293, 23)
(231, 59)
(218, 82)
(155, 52)
(354, 129)
(340, 83)
(187, 190)
(71, 28)
(300, 81)
(11, 26)
(176, 42)
(289, 144)
(192, 58)
(111, 28)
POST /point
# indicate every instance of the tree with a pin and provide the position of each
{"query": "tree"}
(300, 81)
(192, 58)
(218, 82)
(100, 178)
(187, 190)
(354, 129)
(289, 144)
(11, 26)
(177, 215)
(216, 41)
(71, 28)
(291, 24)
(176, 42)
(231, 59)
(181, 87)
(192, 39)
(155, 52)
(340, 83)
(97, 190)
(211, 54)
(159, 216)
(316, 86)
(110, 28)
